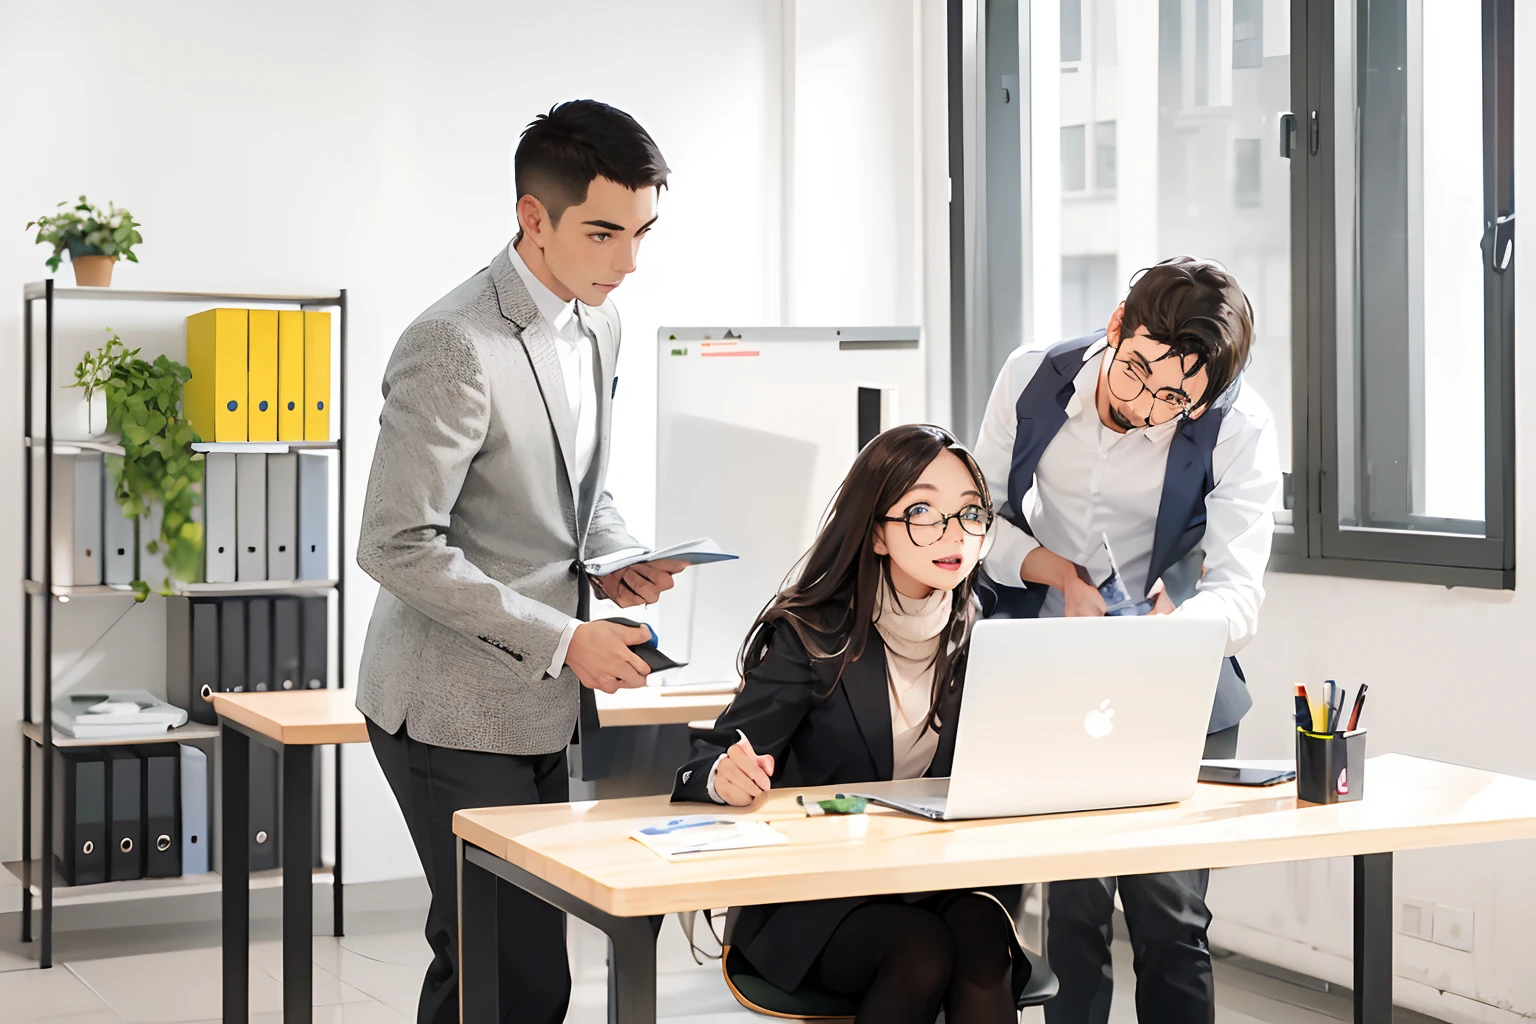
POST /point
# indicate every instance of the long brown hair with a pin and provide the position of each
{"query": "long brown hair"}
(829, 601)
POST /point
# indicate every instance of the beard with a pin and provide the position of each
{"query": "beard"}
(1121, 421)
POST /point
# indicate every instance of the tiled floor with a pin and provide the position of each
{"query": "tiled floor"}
(372, 976)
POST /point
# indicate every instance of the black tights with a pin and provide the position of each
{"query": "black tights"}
(908, 960)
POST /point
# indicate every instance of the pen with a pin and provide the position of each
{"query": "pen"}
(1318, 716)
(1337, 710)
(1354, 714)
(1303, 713)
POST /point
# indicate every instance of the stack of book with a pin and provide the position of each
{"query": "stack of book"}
(107, 717)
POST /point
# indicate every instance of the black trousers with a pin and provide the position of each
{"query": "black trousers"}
(1167, 919)
(909, 960)
(431, 783)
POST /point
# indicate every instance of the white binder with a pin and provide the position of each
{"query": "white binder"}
(152, 564)
(251, 517)
(283, 516)
(219, 517)
(119, 536)
(77, 536)
(314, 517)
(195, 835)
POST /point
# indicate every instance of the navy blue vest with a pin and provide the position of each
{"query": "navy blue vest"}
(1176, 554)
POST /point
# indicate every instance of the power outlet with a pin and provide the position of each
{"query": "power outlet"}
(1416, 918)
(1453, 927)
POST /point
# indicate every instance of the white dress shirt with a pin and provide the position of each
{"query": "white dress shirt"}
(574, 348)
(1093, 481)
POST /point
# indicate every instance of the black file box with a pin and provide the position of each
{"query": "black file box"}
(80, 815)
(192, 655)
(1330, 767)
(125, 829)
(162, 809)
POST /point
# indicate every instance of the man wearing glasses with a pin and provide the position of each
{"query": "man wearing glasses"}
(1142, 439)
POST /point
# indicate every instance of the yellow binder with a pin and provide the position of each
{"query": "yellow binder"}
(263, 375)
(215, 397)
(290, 375)
(317, 375)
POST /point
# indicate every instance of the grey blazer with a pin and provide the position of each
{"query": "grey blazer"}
(473, 522)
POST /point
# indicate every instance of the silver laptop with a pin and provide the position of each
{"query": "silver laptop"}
(1075, 715)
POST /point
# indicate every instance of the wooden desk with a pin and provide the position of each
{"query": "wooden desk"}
(578, 857)
(293, 723)
(648, 705)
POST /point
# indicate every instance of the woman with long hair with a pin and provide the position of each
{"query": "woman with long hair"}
(853, 673)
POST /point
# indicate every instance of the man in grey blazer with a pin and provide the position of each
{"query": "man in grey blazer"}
(485, 498)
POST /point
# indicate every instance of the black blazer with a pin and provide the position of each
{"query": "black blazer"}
(816, 739)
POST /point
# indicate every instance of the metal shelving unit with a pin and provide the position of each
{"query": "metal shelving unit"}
(38, 876)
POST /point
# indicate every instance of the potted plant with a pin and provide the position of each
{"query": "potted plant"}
(95, 238)
(88, 418)
(144, 406)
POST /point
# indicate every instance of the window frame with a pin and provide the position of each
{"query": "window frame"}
(1308, 537)
(1317, 542)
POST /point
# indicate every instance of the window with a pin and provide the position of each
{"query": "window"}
(1376, 250)
(1089, 292)
(1247, 33)
(1417, 439)
(1104, 156)
(1071, 30)
(1074, 158)
(1246, 173)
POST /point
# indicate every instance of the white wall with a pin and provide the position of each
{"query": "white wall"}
(1450, 676)
(368, 145)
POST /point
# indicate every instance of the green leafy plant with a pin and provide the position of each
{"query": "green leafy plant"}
(86, 230)
(96, 368)
(144, 405)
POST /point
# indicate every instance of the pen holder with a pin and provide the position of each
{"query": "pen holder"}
(1330, 767)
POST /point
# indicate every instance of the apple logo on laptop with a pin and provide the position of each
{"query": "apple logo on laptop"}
(1098, 722)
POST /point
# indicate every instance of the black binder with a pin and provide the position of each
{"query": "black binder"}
(192, 655)
(286, 642)
(258, 644)
(80, 815)
(125, 803)
(266, 800)
(315, 663)
(162, 809)
(232, 645)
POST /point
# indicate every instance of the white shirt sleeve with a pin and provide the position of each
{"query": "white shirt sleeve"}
(1239, 530)
(994, 454)
(709, 783)
(563, 648)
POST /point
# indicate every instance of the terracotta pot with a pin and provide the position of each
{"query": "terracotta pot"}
(93, 271)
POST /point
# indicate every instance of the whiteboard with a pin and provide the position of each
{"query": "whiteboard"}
(756, 427)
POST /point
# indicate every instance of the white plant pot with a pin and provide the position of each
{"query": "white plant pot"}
(86, 420)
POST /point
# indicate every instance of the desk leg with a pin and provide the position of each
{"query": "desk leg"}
(298, 883)
(478, 988)
(632, 969)
(1373, 938)
(631, 941)
(234, 841)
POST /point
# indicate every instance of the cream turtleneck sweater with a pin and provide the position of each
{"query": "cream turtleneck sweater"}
(911, 629)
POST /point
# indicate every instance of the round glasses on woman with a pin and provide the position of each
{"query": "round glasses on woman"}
(927, 525)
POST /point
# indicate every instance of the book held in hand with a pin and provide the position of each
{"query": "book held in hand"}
(694, 552)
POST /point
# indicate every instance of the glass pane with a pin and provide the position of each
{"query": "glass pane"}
(1074, 160)
(1104, 156)
(1410, 267)
(1071, 29)
(1202, 172)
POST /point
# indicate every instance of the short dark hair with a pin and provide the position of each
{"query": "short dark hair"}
(1195, 308)
(562, 151)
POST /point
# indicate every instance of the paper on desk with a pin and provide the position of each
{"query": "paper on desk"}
(694, 552)
(674, 838)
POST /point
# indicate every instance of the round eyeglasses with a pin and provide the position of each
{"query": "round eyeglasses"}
(927, 525)
(1127, 384)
